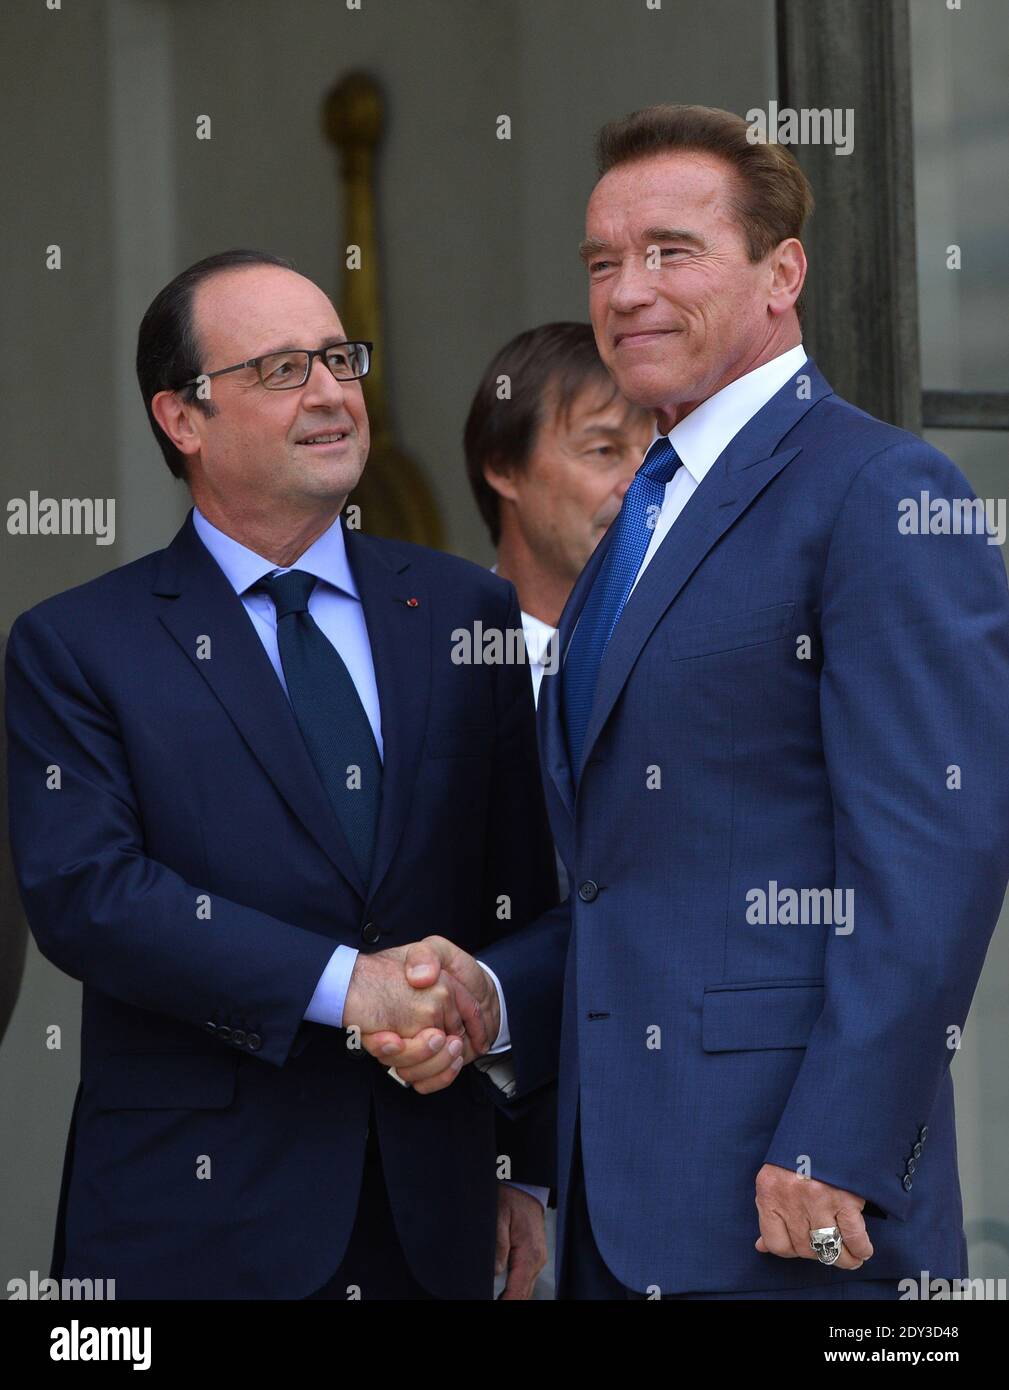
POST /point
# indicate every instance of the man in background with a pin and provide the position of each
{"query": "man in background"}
(551, 447)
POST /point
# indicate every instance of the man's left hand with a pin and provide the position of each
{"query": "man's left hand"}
(790, 1207)
(521, 1241)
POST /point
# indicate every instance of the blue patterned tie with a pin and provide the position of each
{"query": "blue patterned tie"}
(329, 712)
(610, 591)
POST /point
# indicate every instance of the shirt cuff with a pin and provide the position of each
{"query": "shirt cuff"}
(503, 1041)
(501, 1071)
(542, 1194)
(326, 1004)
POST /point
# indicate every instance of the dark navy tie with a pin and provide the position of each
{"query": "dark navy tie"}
(329, 712)
(611, 589)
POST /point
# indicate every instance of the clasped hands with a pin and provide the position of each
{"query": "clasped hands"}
(425, 1009)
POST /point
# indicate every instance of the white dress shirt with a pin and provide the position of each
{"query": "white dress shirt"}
(702, 436)
(540, 639)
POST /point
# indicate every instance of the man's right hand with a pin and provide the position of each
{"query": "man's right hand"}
(381, 1000)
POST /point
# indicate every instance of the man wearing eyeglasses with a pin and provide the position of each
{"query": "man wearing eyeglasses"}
(246, 773)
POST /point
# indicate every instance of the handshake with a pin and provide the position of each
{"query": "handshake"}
(425, 1009)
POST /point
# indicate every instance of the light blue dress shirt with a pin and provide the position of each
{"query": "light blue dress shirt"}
(336, 607)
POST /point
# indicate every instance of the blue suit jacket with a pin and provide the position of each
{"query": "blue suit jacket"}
(192, 873)
(788, 1044)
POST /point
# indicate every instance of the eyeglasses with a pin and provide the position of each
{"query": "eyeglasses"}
(283, 371)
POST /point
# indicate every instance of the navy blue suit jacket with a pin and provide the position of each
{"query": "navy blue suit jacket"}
(724, 755)
(192, 873)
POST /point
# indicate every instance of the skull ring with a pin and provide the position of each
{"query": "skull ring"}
(826, 1241)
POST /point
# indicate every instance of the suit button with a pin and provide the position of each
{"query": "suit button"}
(907, 1183)
(916, 1151)
(589, 891)
(370, 933)
(224, 1033)
(923, 1133)
(210, 1027)
(253, 1042)
(238, 1036)
(912, 1164)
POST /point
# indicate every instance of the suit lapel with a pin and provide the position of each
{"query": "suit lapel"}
(738, 476)
(720, 498)
(238, 671)
(400, 638)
